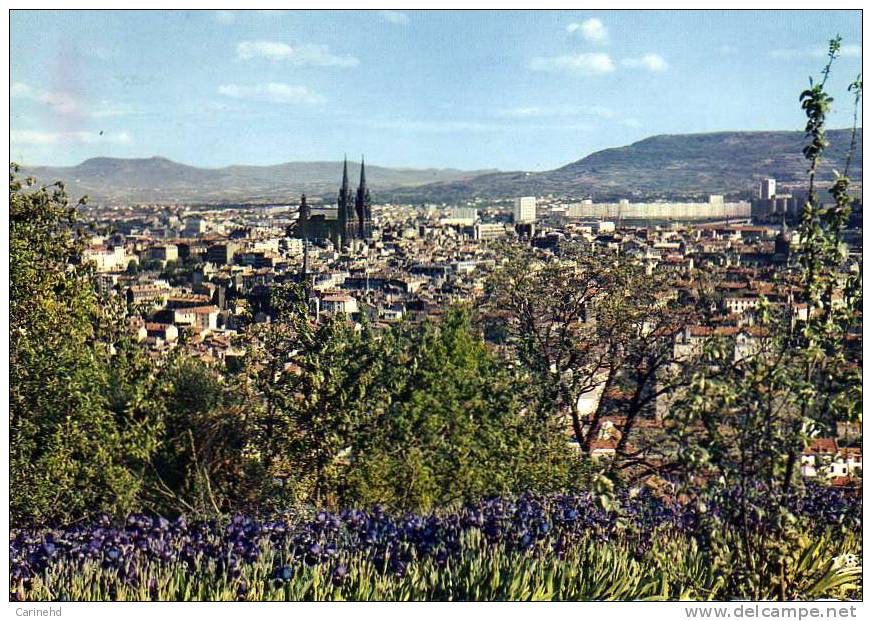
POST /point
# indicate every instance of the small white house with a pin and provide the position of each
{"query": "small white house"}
(339, 303)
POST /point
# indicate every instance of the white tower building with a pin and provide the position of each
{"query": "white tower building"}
(525, 209)
(767, 189)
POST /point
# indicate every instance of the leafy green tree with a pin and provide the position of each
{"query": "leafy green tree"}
(311, 379)
(83, 419)
(150, 265)
(204, 465)
(414, 417)
(447, 422)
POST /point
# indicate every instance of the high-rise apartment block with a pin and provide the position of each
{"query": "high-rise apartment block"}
(525, 209)
(767, 189)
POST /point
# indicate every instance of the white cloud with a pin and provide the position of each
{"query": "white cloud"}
(395, 17)
(524, 112)
(651, 62)
(789, 54)
(412, 125)
(20, 89)
(601, 111)
(225, 17)
(101, 53)
(563, 127)
(569, 117)
(847, 51)
(592, 30)
(67, 104)
(109, 109)
(28, 137)
(247, 50)
(462, 126)
(306, 54)
(727, 50)
(272, 92)
(61, 103)
(595, 63)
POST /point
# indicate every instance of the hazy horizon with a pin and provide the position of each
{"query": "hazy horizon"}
(370, 163)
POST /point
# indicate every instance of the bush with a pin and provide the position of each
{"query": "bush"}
(82, 420)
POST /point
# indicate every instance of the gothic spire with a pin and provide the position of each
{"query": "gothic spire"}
(362, 205)
(345, 174)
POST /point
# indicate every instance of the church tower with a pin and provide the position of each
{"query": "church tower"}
(345, 210)
(302, 226)
(363, 206)
(782, 242)
(305, 211)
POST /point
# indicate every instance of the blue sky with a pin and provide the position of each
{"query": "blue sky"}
(527, 90)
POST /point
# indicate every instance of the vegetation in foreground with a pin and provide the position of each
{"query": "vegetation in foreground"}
(554, 547)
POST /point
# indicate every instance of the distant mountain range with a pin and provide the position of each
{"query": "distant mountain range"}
(668, 166)
(157, 179)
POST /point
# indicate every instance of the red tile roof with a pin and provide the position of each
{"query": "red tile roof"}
(822, 446)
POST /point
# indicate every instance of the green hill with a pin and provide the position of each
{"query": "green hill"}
(668, 166)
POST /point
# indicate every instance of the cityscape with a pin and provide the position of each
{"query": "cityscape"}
(634, 376)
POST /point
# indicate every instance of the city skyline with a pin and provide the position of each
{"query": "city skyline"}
(481, 89)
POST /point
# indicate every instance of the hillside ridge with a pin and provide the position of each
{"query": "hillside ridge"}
(663, 166)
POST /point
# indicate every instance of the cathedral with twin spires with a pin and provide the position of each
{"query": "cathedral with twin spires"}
(353, 218)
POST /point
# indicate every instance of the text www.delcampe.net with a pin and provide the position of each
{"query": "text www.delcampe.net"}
(756, 611)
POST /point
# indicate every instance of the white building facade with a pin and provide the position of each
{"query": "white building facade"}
(525, 209)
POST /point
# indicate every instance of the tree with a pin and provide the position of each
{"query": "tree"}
(446, 422)
(748, 417)
(204, 464)
(585, 324)
(413, 417)
(312, 379)
(83, 421)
